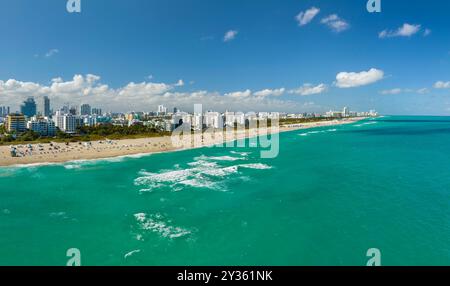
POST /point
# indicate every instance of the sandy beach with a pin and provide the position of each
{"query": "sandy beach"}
(61, 152)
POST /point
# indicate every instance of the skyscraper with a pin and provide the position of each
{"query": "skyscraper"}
(85, 109)
(28, 108)
(46, 107)
(162, 110)
(345, 112)
(73, 110)
(4, 111)
(97, 111)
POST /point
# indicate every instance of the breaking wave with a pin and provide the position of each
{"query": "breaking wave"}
(204, 173)
(158, 224)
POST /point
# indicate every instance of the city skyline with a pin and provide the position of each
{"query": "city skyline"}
(303, 56)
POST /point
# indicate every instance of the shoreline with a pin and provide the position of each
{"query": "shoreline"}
(59, 153)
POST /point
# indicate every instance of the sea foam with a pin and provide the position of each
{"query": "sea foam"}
(156, 223)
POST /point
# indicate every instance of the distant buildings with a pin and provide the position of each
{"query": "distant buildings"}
(28, 108)
(73, 110)
(162, 110)
(85, 109)
(4, 111)
(16, 123)
(96, 111)
(347, 113)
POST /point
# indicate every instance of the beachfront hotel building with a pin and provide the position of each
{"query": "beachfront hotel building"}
(213, 119)
(42, 126)
(232, 118)
(16, 123)
(67, 123)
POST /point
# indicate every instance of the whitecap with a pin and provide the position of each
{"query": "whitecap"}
(257, 166)
(156, 223)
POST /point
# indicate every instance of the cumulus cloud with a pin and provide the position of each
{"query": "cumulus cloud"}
(305, 17)
(309, 89)
(355, 79)
(407, 30)
(270, 92)
(230, 35)
(239, 94)
(335, 23)
(143, 96)
(442, 85)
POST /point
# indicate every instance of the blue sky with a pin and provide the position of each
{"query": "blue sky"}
(155, 44)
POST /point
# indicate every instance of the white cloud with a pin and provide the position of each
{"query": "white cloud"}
(355, 79)
(423, 91)
(442, 84)
(335, 23)
(51, 53)
(180, 83)
(304, 17)
(407, 90)
(270, 92)
(143, 96)
(240, 94)
(309, 89)
(407, 30)
(392, 91)
(230, 35)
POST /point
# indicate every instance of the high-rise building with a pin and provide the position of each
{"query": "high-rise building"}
(85, 109)
(346, 112)
(16, 123)
(28, 108)
(73, 110)
(97, 111)
(213, 119)
(232, 118)
(4, 111)
(45, 109)
(175, 110)
(162, 110)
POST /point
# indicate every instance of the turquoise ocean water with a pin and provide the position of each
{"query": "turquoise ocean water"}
(330, 195)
